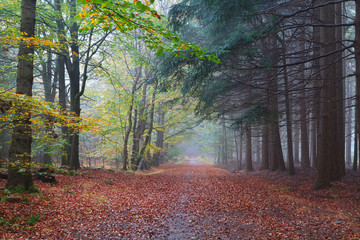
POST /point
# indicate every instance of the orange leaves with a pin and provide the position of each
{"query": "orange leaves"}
(182, 201)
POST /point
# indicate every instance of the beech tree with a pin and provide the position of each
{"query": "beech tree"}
(19, 174)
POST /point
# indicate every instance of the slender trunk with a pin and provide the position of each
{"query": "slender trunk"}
(248, 156)
(355, 160)
(313, 138)
(61, 74)
(348, 132)
(159, 138)
(305, 161)
(128, 129)
(140, 161)
(290, 154)
(47, 82)
(317, 84)
(74, 74)
(224, 142)
(139, 129)
(236, 152)
(265, 148)
(296, 142)
(357, 74)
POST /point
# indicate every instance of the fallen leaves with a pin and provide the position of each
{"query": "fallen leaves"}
(182, 201)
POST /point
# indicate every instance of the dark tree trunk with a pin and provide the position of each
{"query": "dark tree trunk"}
(290, 154)
(128, 129)
(305, 161)
(348, 132)
(48, 90)
(236, 146)
(317, 84)
(73, 68)
(139, 129)
(355, 160)
(61, 73)
(248, 157)
(159, 138)
(296, 142)
(223, 143)
(328, 99)
(265, 148)
(140, 161)
(338, 166)
(357, 74)
(20, 148)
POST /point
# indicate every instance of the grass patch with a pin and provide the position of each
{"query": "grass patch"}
(152, 173)
(19, 221)
(21, 190)
(108, 181)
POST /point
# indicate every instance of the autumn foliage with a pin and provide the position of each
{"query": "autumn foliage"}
(181, 201)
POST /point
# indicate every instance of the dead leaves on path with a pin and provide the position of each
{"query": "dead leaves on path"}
(181, 201)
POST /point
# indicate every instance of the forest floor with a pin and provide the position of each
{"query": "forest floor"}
(191, 200)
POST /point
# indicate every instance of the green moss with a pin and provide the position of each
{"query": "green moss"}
(17, 221)
(21, 189)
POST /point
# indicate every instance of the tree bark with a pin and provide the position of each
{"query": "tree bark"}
(223, 143)
(73, 69)
(265, 148)
(248, 152)
(48, 90)
(357, 75)
(290, 154)
(19, 174)
(128, 129)
(236, 146)
(355, 159)
(61, 73)
(140, 161)
(328, 99)
(159, 138)
(338, 166)
(140, 128)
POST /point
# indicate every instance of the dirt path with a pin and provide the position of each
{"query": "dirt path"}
(192, 200)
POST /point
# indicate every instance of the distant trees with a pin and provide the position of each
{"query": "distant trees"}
(294, 59)
(285, 89)
(67, 46)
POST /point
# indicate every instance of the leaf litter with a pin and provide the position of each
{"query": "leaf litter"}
(183, 201)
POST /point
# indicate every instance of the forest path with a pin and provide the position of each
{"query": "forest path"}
(191, 200)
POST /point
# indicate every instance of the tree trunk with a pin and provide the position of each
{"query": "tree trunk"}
(224, 143)
(348, 131)
(265, 148)
(61, 74)
(236, 146)
(248, 156)
(296, 142)
(74, 74)
(357, 74)
(355, 160)
(338, 166)
(305, 161)
(290, 154)
(20, 147)
(159, 138)
(48, 90)
(139, 129)
(140, 161)
(128, 129)
(328, 99)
